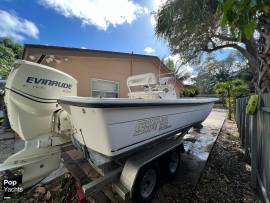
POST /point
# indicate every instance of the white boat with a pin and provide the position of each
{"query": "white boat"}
(115, 126)
(109, 127)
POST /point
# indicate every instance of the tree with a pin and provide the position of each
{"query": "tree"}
(17, 48)
(9, 51)
(6, 60)
(190, 91)
(209, 74)
(192, 29)
(178, 72)
(244, 17)
(231, 90)
(213, 71)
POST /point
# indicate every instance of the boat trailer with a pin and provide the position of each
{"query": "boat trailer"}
(135, 177)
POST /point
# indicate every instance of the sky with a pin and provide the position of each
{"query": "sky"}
(113, 25)
(116, 25)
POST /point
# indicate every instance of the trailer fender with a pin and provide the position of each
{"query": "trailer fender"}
(136, 162)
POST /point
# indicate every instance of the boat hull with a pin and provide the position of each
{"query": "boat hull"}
(117, 130)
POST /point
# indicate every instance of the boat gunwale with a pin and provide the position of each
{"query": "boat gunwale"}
(119, 103)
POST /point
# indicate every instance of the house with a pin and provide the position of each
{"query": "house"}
(99, 73)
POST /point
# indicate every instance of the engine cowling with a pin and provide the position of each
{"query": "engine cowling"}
(31, 97)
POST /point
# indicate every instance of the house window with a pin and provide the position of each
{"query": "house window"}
(105, 88)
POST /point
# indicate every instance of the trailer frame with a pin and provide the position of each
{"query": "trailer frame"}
(121, 174)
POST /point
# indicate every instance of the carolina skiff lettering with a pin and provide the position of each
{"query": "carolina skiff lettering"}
(151, 124)
(41, 81)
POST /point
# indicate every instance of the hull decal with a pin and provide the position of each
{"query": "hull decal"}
(158, 116)
(167, 133)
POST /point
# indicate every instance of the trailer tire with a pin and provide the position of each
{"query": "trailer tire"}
(170, 163)
(146, 183)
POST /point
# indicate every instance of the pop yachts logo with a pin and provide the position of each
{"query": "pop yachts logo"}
(11, 185)
(41, 81)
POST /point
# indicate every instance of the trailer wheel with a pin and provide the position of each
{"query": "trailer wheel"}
(171, 162)
(146, 183)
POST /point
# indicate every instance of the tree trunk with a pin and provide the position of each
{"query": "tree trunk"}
(264, 54)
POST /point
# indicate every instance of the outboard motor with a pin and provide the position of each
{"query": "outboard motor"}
(31, 97)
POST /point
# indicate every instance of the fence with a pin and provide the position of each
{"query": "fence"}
(255, 138)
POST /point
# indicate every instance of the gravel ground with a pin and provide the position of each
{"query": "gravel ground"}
(227, 176)
(6, 144)
(6, 149)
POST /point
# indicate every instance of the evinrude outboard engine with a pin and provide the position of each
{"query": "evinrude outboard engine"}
(31, 97)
